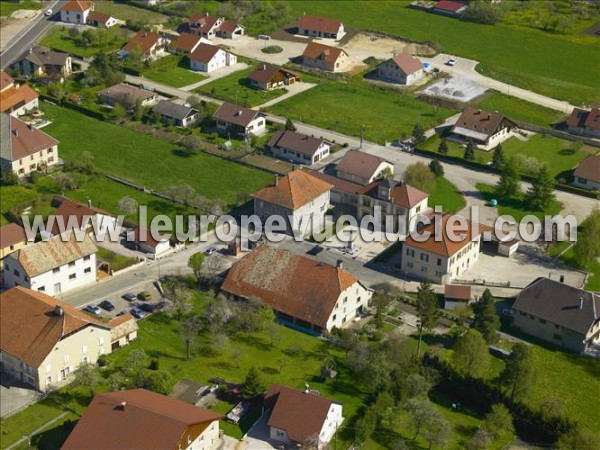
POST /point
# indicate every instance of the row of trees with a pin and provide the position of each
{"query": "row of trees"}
(540, 194)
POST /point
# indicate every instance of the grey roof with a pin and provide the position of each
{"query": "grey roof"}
(5, 146)
(174, 110)
(560, 304)
(297, 142)
(41, 56)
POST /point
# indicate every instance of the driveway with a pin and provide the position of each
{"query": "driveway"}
(252, 48)
(219, 73)
(14, 396)
(258, 438)
(292, 89)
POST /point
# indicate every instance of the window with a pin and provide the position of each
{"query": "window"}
(48, 368)
(87, 270)
(84, 349)
(66, 359)
(16, 272)
(334, 317)
(72, 264)
(85, 360)
(101, 340)
(541, 320)
(345, 299)
(86, 258)
(56, 270)
(72, 276)
(42, 288)
(49, 379)
(439, 261)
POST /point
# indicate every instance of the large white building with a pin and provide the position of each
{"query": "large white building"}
(208, 58)
(76, 11)
(52, 266)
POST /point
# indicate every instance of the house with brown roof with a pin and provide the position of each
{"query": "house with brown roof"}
(147, 44)
(54, 266)
(16, 99)
(299, 198)
(39, 62)
(268, 77)
(393, 198)
(80, 216)
(296, 417)
(343, 192)
(304, 293)
(204, 25)
(441, 253)
(402, 68)
(76, 11)
(236, 120)
(142, 419)
(558, 313)
(362, 168)
(187, 43)
(25, 149)
(457, 295)
(584, 123)
(587, 174)
(486, 129)
(44, 340)
(126, 95)
(208, 58)
(123, 330)
(297, 147)
(320, 27)
(324, 57)
(154, 246)
(100, 20)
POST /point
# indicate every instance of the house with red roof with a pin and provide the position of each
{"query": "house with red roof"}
(100, 20)
(402, 68)
(320, 27)
(457, 295)
(587, 174)
(207, 26)
(324, 57)
(16, 99)
(149, 45)
(76, 11)
(584, 122)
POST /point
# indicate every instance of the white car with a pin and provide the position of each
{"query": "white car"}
(451, 62)
(48, 12)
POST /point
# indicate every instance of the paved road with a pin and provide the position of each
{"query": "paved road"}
(26, 39)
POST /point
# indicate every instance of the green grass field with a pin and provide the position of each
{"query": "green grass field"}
(237, 86)
(123, 11)
(521, 110)
(148, 161)
(12, 196)
(58, 38)
(9, 7)
(173, 71)
(516, 207)
(446, 195)
(386, 114)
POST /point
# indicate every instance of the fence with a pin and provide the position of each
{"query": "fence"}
(558, 133)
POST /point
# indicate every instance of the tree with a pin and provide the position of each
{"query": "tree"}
(419, 176)
(483, 12)
(138, 111)
(510, 178)
(577, 439)
(486, 319)
(65, 181)
(365, 425)
(118, 112)
(272, 331)
(116, 381)
(196, 263)
(541, 192)
(289, 125)
(104, 69)
(427, 306)
(418, 134)
(419, 413)
(386, 172)
(499, 421)
(587, 248)
(384, 407)
(480, 440)
(436, 168)
(179, 297)
(282, 361)
(160, 381)
(253, 385)
(498, 158)
(470, 355)
(135, 367)
(443, 147)
(235, 357)
(417, 386)
(56, 90)
(469, 151)
(127, 205)
(191, 326)
(214, 266)
(195, 102)
(192, 143)
(437, 430)
(73, 32)
(87, 377)
(519, 372)
(9, 178)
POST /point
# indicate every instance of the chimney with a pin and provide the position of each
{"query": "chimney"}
(90, 202)
(580, 302)
(562, 278)
(30, 127)
(30, 50)
(58, 311)
(489, 116)
(264, 67)
(122, 406)
(16, 131)
(276, 180)
(306, 388)
(339, 264)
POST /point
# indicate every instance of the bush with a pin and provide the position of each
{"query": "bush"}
(482, 12)
(102, 361)
(154, 364)
(271, 49)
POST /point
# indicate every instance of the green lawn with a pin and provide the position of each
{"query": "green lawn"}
(516, 207)
(518, 109)
(173, 70)
(446, 195)
(12, 196)
(551, 64)
(58, 38)
(386, 114)
(9, 7)
(237, 86)
(117, 262)
(456, 150)
(123, 11)
(148, 161)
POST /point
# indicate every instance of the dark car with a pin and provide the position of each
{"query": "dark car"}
(137, 313)
(148, 307)
(129, 297)
(315, 250)
(144, 295)
(106, 305)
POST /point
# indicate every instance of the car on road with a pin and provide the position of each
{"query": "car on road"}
(210, 250)
(144, 296)
(94, 309)
(137, 313)
(107, 305)
(451, 62)
(129, 296)
(48, 12)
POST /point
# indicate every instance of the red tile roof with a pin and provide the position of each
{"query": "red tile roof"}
(457, 292)
(589, 169)
(444, 246)
(204, 53)
(294, 190)
(25, 140)
(301, 414)
(186, 42)
(329, 54)
(450, 6)
(143, 39)
(265, 73)
(292, 284)
(12, 234)
(99, 17)
(70, 208)
(16, 96)
(480, 122)
(77, 5)
(5, 80)
(203, 21)
(581, 118)
(228, 26)
(138, 420)
(407, 63)
(322, 24)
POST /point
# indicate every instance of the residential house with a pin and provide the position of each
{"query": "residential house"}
(298, 147)
(210, 27)
(147, 243)
(208, 58)
(25, 149)
(186, 43)
(324, 57)
(558, 313)
(123, 330)
(441, 258)
(343, 192)
(53, 266)
(320, 27)
(142, 419)
(363, 168)
(12, 238)
(268, 77)
(39, 62)
(307, 294)
(450, 8)
(239, 121)
(487, 130)
(587, 174)
(147, 44)
(299, 197)
(296, 417)
(44, 340)
(397, 199)
(585, 123)
(176, 114)
(14, 98)
(126, 95)
(230, 30)
(74, 215)
(402, 68)
(457, 295)
(76, 11)
(100, 20)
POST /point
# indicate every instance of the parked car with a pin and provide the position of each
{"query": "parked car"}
(148, 307)
(94, 309)
(508, 312)
(210, 250)
(137, 313)
(451, 62)
(144, 296)
(129, 297)
(122, 313)
(315, 250)
(107, 305)
(48, 12)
